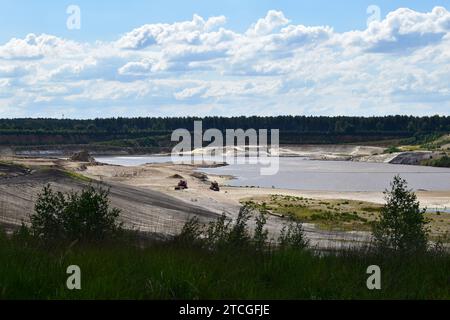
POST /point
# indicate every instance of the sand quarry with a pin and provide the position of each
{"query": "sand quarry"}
(150, 203)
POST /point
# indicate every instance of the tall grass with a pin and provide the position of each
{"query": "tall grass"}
(177, 271)
(222, 260)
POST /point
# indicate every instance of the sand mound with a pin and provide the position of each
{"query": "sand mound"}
(82, 156)
(200, 176)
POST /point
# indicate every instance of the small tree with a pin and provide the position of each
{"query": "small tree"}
(239, 235)
(84, 216)
(260, 235)
(293, 236)
(191, 232)
(223, 233)
(402, 225)
(217, 232)
(47, 220)
(87, 216)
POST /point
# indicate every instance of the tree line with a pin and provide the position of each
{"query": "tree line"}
(316, 124)
(146, 132)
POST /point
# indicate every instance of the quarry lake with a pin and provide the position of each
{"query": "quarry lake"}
(302, 174)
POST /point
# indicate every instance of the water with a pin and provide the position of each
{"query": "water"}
(133, 160)
(303, 174)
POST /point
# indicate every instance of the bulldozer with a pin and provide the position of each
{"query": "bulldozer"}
(181, 185)
(214, 186)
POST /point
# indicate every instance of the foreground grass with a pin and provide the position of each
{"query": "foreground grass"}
(169, 271)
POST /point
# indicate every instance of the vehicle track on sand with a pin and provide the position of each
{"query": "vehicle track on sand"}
(142, 209)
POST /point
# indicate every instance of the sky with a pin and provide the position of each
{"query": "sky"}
(106, 58)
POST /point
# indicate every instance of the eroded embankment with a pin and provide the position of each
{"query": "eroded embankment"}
(146, 210)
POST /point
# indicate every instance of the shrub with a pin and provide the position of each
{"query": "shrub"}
(392, 149)
(443, 162)
(47, 219)
(217, 232)
(224, 234)
(260, 235)
(191, 232)
(293, 236)
(239, 235)
(83, 216)
(402, 225)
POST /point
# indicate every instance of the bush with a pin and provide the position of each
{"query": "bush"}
(260, 235)
(402, 225)
(443, 162)
(224, 234)
(47, 219)
(191, 232)
(84, 216)
(392, 149)
(217, 232)
(239, 235)
(292, 236)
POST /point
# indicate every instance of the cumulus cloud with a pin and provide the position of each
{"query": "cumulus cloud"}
(188, 32)
(36, 47)
(88, 68)
(190, 93)
(400, 64)
(300, 35)
(137, 68)
(272, 21)
(402, 29)
(13, 71)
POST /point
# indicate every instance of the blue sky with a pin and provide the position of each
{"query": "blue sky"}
(107, 19)
(259, 57)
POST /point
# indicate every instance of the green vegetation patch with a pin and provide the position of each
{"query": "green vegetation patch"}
(326, 214)
(443, 162)
(392, 149)
(341, 215)
(77, 176)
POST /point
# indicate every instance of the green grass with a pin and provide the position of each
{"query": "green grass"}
(77, 176)
(340, 215)
(437, 143)
(327, 215)
(392, 149)
(13, 164)
(443, 162)
(168, 271)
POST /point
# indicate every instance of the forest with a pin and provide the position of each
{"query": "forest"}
(150, 132)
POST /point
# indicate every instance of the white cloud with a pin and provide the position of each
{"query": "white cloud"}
(11, 71)
(36, 47)
(272, 21)
(187, 32)
(400, 64)
(300, 35)
(401, 30)
(190, 93)
(137, 68)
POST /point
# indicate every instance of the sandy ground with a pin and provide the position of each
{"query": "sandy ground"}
(160, 177)
(141, 209)
(149, 201)
(164, 177)
(316, 152)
